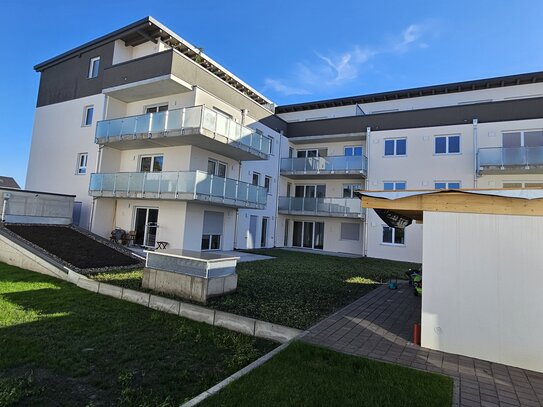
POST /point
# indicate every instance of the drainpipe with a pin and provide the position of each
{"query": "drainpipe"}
(277, 189)
(244, 113)
(475, 152)
(237, 213)
(367, 184)
(7, 195)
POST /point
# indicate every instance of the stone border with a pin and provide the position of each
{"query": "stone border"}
(233, 322)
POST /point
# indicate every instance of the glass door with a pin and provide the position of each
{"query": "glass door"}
(308, 234)
(145, 226)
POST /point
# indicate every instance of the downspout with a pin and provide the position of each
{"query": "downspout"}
(367, 184)
(277, 189)
(4, 205)
(237, 213)
(475, 152)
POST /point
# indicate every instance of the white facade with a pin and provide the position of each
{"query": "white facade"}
(481, 296)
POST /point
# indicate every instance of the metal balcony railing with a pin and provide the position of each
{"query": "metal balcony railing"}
(331, 164)
(178, 120)
(509, 157)
(183, 185)
(341, 207)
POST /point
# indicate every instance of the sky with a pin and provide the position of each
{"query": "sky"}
(291, 51)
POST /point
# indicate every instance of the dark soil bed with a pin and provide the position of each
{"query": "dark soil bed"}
(73, 247)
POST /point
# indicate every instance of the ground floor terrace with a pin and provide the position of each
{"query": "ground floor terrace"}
(379, 326)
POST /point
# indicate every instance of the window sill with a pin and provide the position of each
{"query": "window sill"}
(392, 244)
(395, 156)
(445, 154)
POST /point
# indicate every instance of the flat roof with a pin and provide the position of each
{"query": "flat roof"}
(454, 87)
(34, 192)
(149, 29)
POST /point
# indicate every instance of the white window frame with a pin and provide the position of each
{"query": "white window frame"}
(92, 73)
(152, 156)
(157, 106)
(209, 249)
(217, 164)
(394, 185)
(447, 183)
(447, 144)
(393, 237)
(270, 181)
(81, 168)
(86, 110)
(395, 140)
(258, 178)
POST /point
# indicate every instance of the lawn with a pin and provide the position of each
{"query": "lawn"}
(307, 375)
(295, 289)
(63, 346)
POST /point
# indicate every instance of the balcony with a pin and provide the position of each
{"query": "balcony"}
(331, 207)
(180, 185)
(331, 167)
(511, 160)
(197, 125)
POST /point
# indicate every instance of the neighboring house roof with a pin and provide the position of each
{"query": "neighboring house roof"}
(149, 29)
(8, 182)
(455, 87)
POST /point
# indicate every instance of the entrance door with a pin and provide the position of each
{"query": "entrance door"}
(146, 226)
(308, 234)
(251, 239)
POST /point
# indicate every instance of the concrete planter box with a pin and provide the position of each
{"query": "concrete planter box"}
(196, 276)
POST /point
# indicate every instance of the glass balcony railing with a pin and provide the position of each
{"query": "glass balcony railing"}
(329, 164)
(349, 207)
(510, 156)
(185, 185)
(177, 120)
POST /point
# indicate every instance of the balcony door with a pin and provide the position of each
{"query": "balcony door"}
(145, 226)
(309, 235)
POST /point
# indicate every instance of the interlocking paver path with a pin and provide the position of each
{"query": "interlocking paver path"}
(379, 326)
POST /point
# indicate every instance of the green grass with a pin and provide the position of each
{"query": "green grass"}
(61, 345)
(295, 289)
(307, 375)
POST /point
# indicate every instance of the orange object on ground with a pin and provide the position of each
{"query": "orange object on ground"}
(416, 334)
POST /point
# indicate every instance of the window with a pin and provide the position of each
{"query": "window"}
(521, 184)
(531, 138)
(94, 66)
(290, 152)
(151, 163)
(447, 144)
(350, 231)
(393, 236)
(394, 185)
(256, 178)
(267, 183)
(82, 159)
(395, 147)
(156, 108)
(264, 232)
(310, 191)
(270, 145)
(356, 151)
(447, 185)
(212, 230)
(88, 111)
(217, 168)
(314, 152)
(349, 189)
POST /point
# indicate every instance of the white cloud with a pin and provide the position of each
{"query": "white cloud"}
(336, 68)
(283, 88)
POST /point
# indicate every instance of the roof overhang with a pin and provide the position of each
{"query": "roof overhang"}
(413, 204)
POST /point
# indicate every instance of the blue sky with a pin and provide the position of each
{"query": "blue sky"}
(292, 51)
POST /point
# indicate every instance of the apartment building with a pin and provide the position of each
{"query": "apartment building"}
(154, 136)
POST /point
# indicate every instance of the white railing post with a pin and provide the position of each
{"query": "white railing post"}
(128, 184)
(177, 185)
(195, 183)
(211, 185)
(150, 126)
(237, 190)
(159, 184)
(224, 189)
(114, 184)
(143, 183)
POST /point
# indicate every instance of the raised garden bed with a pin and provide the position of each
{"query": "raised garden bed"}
(74, 248)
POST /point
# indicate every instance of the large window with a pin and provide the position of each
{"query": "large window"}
(310, 191)
(354, 150)
(447, 144)
(525, 138)
(82, 159)
(88, 112)
(349, 190)
(394, 185)
(94, 66)
(217, 168)
(212, 230)
(308, 234)
(395, 147)
(156, 108)
(394, 236)
(151, 163)
(447, 185)
(314, 152)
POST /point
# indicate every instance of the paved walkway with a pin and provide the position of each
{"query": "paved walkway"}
(379, 326)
